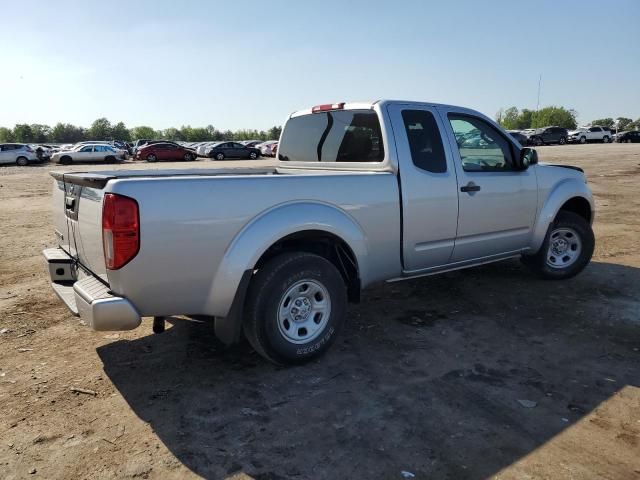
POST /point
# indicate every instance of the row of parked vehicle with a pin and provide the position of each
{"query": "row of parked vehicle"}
(150, 150)
(561, 136)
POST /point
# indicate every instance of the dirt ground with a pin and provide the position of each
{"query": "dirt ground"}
(427, 378)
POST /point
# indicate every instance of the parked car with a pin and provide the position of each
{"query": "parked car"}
(278, 252)
(266, 148)
(225, 150)
(631, 136)
(251, 143)
(152, 152)
(547, 135)
(519, 137)
(203, 149)
(590, 134)
(89, 153)
(18, 154)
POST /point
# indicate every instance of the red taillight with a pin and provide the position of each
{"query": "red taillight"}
(327, 106)
(120, 230)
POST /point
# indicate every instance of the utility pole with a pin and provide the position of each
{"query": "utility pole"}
(539, 84)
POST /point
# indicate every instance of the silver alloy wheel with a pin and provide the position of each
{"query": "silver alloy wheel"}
(605, 140)
(22, 161)
(583, 140)
(304, 311)
(253, 155)
(564, 248)
(220, 156)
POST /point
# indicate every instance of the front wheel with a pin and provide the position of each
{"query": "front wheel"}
(22, 161)
(538, 142)
(296, 305)
(566, 249)
(219, 156)
(152, 158)
(605, 140)
(188, 157)
(562, 141)
(253, 155)
(583, 139)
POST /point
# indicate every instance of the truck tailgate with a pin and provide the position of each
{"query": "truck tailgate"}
(78, 219)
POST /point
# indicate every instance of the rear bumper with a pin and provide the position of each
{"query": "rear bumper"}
(87, 297)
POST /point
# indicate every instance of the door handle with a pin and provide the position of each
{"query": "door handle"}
(470, 187)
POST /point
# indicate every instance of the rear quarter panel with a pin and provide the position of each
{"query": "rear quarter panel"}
(188, 225)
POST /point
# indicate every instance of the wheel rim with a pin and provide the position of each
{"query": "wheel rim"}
(562, 141)
(151, 158)
(605, 140)
(252, 156)
(187, 157)
(219, 156)
(304, 311)
(564, 248)
(22, 162)
(583, 140)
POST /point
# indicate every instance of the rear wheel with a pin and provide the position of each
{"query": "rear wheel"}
(566, 250)
(562, 141)
(66, 160)
(22, 161)
(605, 139)
(219, 156)
(188, 157)
(253, 155)
(152, 158)
(583, 139)
(110, 159)
(296, 305)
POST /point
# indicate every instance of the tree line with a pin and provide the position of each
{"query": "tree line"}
(102, 129)
(514, 119)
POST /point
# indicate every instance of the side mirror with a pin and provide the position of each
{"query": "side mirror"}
(528, 157)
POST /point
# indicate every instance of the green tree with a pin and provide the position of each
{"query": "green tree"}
(143, 133)
(22, 133)
(120, 132)
(41, 133)
(274, 133)
(6, 135)
(509, 118)
(623, 123)
(604, 122)
(100, 130)
(66, 133)
(558, 116)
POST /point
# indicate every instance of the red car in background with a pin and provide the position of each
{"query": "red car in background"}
(165, 151)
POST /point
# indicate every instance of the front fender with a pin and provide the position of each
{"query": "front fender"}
(265, 230)
(558, 196)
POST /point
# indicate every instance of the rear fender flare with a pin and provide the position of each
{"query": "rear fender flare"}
(268, 228)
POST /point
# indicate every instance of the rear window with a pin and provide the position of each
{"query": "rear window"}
(336, 136)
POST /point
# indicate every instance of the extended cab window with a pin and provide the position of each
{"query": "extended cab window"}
(425, 142)
(336, 136)
(482, 148)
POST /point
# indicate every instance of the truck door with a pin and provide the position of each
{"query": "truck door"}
(428, 186)
(497, 202)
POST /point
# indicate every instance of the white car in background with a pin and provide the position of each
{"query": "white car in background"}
(266, 148)
(590, 134)
(17, 154)
(203, 149)
(89, 153)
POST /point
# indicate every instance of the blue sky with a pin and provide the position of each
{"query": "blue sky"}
(247, 64)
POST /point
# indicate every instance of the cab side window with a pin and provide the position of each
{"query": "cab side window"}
(482, 148)
(427, 151)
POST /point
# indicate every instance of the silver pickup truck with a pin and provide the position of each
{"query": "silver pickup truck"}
(362, 193)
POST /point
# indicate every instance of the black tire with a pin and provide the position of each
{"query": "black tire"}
(605, 139)
(152, 158)
(253, 155)
(22, 161)
(575, 223)
(188, 157)
(268, 290)
(66, 160)
(109, 159)
(219, 156)
(537, 141)
(583, 139)
(562, 141)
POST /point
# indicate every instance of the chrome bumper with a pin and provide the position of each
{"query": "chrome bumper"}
(87, 297)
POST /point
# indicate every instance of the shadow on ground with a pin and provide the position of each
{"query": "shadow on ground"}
(426, 378)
